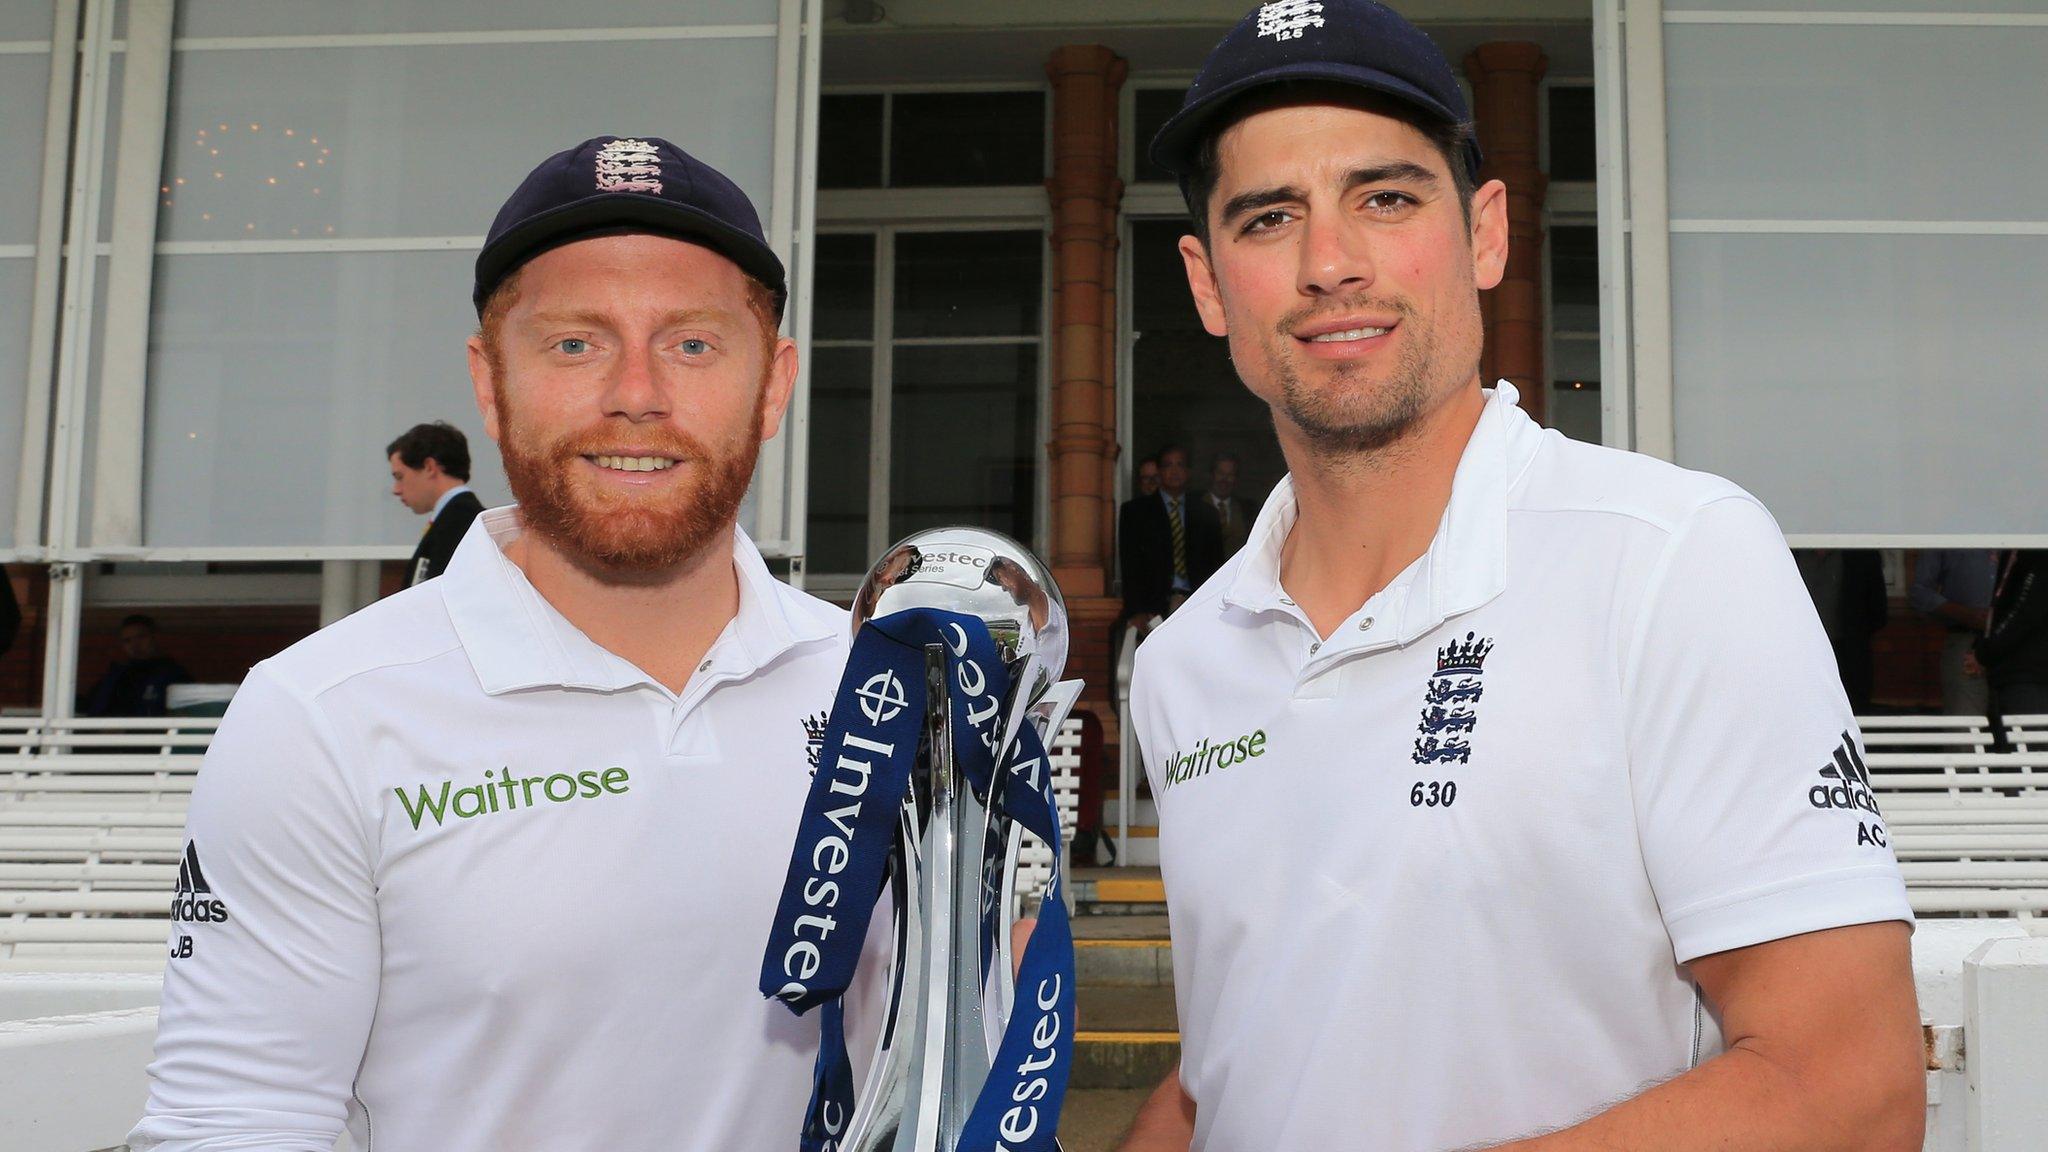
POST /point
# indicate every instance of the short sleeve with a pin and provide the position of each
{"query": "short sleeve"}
(273, 976)
(1752, 799)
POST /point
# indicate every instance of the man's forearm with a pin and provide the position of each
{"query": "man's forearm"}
(1166, 1121)
(1745, 1099)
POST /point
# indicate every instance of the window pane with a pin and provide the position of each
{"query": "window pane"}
(1857, 123)
(1937, 7)
(1575, 411)
(1571, 134)
(844, 275)
(17, 295)
(963, 445)
(1575, 360)
(24, 90)
(1184, 389)
(318, 359)
(1575, 279)
(428, 141)
(304, 17)
(836, 536)
(1866, 383)
(1152, 107)
(949, 139)
(850, 141)
(968, 283)
(1159, 281)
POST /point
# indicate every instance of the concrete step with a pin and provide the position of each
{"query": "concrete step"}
(1127, 1031)
(1123, 951)
(1095, 1119)
(1124, 1009)
(1118, 891)
(1114, 1059)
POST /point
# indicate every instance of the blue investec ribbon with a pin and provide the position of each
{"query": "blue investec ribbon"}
(840, 863)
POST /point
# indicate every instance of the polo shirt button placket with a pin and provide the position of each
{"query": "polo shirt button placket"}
(682, 707)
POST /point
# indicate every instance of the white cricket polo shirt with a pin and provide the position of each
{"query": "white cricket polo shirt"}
(465, 880)
(1433, 881)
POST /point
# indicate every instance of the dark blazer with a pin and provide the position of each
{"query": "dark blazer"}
(2015, 651)
(430, 559)
(10, 613)
(1145, 547)
(1240, 527)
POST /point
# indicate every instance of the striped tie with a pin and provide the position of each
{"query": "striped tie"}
(1180, 538)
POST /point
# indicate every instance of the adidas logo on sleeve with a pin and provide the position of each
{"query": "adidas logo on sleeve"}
(193, 902)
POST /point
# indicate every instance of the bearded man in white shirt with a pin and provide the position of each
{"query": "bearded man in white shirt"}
(489, 864)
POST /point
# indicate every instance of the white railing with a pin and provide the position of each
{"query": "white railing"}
(73, 1049)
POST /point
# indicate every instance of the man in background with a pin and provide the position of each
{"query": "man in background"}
(1148, 476)
(1847, 586)
(1167, 543)
(1231, 518)
(1953, 586)
(2012, 655)
(430, 475)
(138, 682)
(10, 612)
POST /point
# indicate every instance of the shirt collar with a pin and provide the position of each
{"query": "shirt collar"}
(445, 498)
(1466, 564)
(515, 639)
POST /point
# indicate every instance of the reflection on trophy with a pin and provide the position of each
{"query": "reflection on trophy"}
(955, 863)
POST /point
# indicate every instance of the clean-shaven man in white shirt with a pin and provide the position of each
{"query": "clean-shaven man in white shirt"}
(488, 865)
(1567, 843)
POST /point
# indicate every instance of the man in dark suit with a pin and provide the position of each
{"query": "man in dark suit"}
(1232, 517)
(10, 612)
(430, 475)
(138, 683)
(1168, 543)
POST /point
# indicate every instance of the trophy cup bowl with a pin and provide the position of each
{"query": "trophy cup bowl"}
(979, 573)
(949, 988)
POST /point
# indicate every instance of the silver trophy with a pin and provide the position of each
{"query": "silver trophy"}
(950, 984)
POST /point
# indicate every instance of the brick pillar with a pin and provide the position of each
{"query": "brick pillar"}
(1504, 77)
(1085, 195)
(1085, 79)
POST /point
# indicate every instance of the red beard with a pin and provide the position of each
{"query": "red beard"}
(625, 533)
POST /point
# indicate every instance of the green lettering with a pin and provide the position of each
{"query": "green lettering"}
(615, 787)
(435, 806)
(565, 778)
(589, 782)
(476, 794)
(490, 788)
(526, 786)
(1258, 744)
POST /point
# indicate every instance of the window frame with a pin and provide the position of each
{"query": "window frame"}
(882, 342)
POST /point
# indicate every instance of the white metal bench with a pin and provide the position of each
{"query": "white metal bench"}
(92, 816)
(1967, 805)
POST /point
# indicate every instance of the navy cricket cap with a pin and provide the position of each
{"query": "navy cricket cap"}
(612, 184)
(1352, 42)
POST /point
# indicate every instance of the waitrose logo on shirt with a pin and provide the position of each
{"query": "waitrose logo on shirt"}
(501, 791)
(1210, 755)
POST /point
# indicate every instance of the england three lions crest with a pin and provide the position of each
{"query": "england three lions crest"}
(1450, 703)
